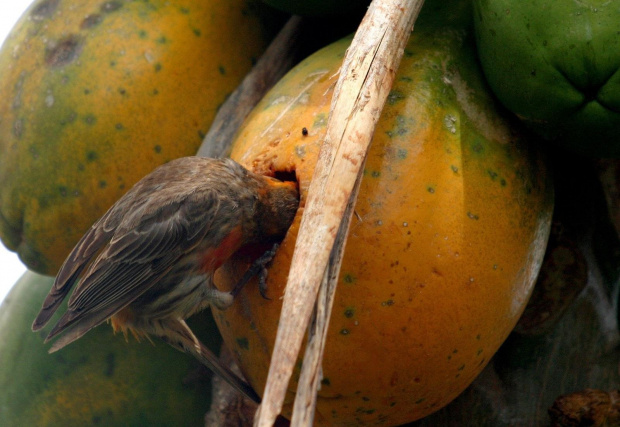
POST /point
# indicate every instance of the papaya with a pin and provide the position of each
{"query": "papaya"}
(94, 94)
(555, 64)
(102, 379)
(446, 241)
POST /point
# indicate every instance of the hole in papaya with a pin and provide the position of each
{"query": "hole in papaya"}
(289, 176)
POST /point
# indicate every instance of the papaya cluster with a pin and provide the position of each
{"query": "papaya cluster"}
(451, 223)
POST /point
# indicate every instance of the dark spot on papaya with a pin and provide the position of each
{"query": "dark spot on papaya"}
(326, 381)
(64, 52)
(86, 91)
(503, 182)
(122, 91)
(142, 34)
(155, 92)
(110, 365)
(184, 10)
(349, 312)
(454, 169)
(348, 278)
(103, 184)
(157, 67)
(112, 64)
(417, 402)
(430, 189)
(366, 398)
(492, 174)
(402, 153)
(479, 352)
(110, 6)
(221, 70)
(91, 21)
(375, 174)
(344, 331)
(91, 156)
(304, 131)
(18, 128)
(243, 343)
(388, 303)
(44, 10)
(69, 118)
(33, 152)
(461, 368)
(202, 134)
(119, 126)
(96, 419)
(89, 119)
(473, 216)
(197, 32)
(157, 149)
(62, 190)
(395, 96)
(405, 79)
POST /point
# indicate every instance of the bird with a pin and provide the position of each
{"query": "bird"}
(148, 263)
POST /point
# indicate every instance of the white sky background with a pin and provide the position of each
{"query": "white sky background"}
(11, 268)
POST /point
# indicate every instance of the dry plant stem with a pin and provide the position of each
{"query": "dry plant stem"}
(273, 64)
(311, 375)
(365, 80)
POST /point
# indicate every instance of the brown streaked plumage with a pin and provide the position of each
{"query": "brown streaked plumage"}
(148, 263)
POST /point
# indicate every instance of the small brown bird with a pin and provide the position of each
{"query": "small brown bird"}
(148, 263)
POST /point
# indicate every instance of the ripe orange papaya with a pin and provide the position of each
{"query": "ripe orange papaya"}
(447, 239)
(101, 379)
(94, 94)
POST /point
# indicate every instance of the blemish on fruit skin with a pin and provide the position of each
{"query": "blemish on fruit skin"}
(387, 303)
(349, 278)
(91, 21)
(89, 119)
(320, 121)
(119, 126)
(344, 332)
(430, 189)
(44, 10)
(157, 149)
(18, 128)
(395, 96)
(326, 382)
(103, 184)
(473, 216)
(197, 32)
(157, 67)
(243, 343)
(110, 6)
(64, 51)
(91, 156)
(454, 169)
(349, 312)
(221, 70)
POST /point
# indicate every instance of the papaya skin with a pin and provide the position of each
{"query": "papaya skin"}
(447, 238)
(103, 379)
(95, 94)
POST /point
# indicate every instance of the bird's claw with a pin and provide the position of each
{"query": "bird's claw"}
(258, 268)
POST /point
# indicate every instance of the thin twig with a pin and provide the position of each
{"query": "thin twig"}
(273, 64)
(365, 80)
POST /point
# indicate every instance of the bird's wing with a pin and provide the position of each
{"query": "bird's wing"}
(89, 245)
(145, 246)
